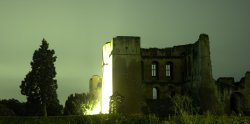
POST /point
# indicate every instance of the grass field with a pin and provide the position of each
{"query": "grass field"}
(127, 119)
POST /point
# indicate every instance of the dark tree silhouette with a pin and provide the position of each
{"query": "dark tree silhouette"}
(73, 105)
(79, 103)
(116, 103)
(39, 84)
(5, 111)
(16, 106)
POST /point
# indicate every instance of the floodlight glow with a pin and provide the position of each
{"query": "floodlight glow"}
(107, 76)
(96, 109)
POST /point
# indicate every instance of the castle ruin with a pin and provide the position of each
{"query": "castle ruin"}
(148, 77)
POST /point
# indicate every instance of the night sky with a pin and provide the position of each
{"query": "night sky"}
(77, 29)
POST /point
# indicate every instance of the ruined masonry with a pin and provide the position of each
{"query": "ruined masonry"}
(148, 78)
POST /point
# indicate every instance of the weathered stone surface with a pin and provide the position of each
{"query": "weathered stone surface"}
(150, 74)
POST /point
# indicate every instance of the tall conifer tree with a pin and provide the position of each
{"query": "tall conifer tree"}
(39, 84)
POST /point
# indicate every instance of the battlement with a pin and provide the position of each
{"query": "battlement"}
(176, 51)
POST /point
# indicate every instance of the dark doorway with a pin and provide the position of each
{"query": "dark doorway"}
(237, 103)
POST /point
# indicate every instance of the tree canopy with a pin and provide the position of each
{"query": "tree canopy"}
(40, 84)
(12, 107)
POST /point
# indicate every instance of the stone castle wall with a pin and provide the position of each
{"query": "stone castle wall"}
(152, 75)
(127, 72)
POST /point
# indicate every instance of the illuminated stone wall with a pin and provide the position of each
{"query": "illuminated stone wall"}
(127, 72)
(131, 71)
(107, 86)
(95, 82)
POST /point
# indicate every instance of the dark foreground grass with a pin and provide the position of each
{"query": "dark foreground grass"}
(127, 119)
(90, 119)
(207, 119)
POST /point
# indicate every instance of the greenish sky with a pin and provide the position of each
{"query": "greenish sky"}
(77, 29)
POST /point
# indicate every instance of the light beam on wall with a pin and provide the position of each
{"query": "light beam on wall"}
(107, 76)
(95, 110)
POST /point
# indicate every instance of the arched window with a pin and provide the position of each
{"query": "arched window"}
(169, 67)
(154, 68)
(155, 93)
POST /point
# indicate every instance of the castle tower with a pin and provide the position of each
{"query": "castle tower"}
(203, 84)
(205, 61)
(122, 73)
(95, 82)
(127, 72)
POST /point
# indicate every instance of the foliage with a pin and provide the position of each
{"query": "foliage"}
(14, 105)
(115, 104)
(5, 111)
(160, 107)
(184, 109)
(89, 119)
(79, 103)
(39, 84)
(73, 104)
(183, 104)
(89, 104)
(207, 100)
(125, 119)
(208, 119)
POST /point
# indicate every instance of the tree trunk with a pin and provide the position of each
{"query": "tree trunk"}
(44, 110)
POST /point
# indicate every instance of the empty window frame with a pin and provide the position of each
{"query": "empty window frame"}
(154, 69)
(169, 69)
(155, 93)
